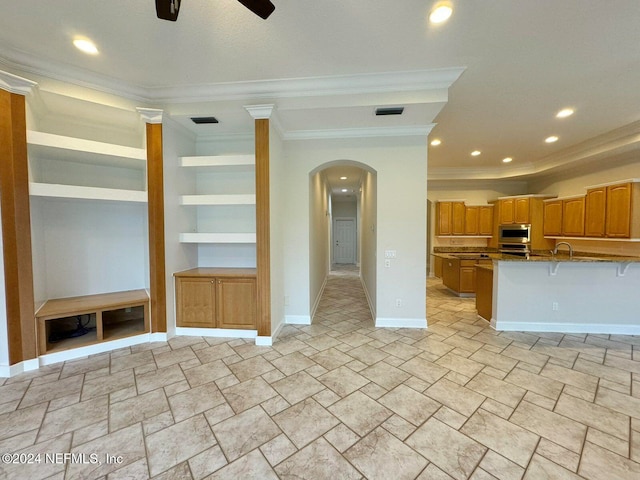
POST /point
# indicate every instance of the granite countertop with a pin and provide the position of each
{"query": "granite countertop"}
(577, 258)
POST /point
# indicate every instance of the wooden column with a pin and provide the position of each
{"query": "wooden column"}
(16, 221)
(155, 192)
(261, 114)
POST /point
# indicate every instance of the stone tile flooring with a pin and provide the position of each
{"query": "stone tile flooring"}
(338, 399)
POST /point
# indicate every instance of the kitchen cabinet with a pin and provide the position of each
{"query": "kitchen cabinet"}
(553, 217)
(467, 276)
(521, 210)
(484, 292)
(596, 212)
(216, 298)
(613, 210)
(507, 211)
(618, 219)
(459, 274)
(573, 217)
(437, 266)
(455, 218)
(471, 220)
(485, 220)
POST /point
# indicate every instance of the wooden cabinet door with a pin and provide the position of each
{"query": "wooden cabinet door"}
(595, 212)
(467, 279)
(471, 220)
(457, 218)
(507, 211)
(236, 303)
(437, 266)
(195, 302)
(573, 217)
(553, 218)
(443, 218)
(485, 222)
(451, 273)
(618, 223)
(521, 208)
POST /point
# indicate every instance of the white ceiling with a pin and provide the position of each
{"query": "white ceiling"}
(522, 61)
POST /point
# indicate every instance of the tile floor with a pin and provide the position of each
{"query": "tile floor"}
(339, 399)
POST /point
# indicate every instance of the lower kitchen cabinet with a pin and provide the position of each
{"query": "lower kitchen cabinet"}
(484, 292)
(216, 298)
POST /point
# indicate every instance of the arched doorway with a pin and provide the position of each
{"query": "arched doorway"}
(342, 233)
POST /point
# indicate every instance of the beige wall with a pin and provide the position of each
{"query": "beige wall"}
(368, 239)
(319, 230)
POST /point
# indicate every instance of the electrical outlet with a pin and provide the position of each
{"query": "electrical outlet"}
(398, 302)
(387, 263)
(554, 306)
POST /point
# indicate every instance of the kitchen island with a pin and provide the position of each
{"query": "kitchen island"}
(583, 294)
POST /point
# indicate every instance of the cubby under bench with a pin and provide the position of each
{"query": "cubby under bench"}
(105, 317)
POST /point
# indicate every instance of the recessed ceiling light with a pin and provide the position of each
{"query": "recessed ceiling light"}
(565, 112)
(344, 190)
(85, 45)
(507, 160)
(440, 12)
(475, 153)
(436, 142)
(551, 139)
(343, 178)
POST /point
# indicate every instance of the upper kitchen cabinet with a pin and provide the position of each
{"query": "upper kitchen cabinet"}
(521, 209)
(596, 212)
(623, 210)
(564, 217)
(478, 220)
(453, 217)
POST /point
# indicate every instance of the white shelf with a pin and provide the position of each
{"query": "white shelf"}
(217, 238)
(221, 162)
(218, 199)
(58, 147)
(86, 193)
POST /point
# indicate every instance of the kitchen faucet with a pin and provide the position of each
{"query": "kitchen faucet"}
(555, 250)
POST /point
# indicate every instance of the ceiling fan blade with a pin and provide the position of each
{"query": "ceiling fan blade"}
(262, 8)
(168, 9)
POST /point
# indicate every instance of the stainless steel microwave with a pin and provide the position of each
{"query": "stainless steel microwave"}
(515, 234)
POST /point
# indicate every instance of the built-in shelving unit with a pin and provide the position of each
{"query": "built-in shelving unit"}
(77, 168)
(224, 198)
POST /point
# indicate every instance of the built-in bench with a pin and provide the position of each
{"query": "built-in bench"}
(65, 323)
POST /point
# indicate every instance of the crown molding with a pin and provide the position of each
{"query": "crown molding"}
(410, 131)
(15, 84)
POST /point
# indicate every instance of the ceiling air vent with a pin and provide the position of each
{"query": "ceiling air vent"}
(204, 120)
(389, 110)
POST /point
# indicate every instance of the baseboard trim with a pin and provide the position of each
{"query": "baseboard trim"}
(366, 294)
(216, 332)
(567, 328)
(298, 319)
(318, 299)
(265, 341)
(8, 371)
(401, 322)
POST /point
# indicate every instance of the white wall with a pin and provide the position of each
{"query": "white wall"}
(368, 239)
(88, 247)
(319, 231)
(401, 169)
(277, 221)
(176, 142)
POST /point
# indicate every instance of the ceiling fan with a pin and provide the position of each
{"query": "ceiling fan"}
(168, 9)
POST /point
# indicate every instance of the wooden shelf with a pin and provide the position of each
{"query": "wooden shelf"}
(218, 199)
(110, 316)
(217, 238)
(86, 193)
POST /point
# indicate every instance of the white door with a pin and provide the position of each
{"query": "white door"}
(344, 239)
